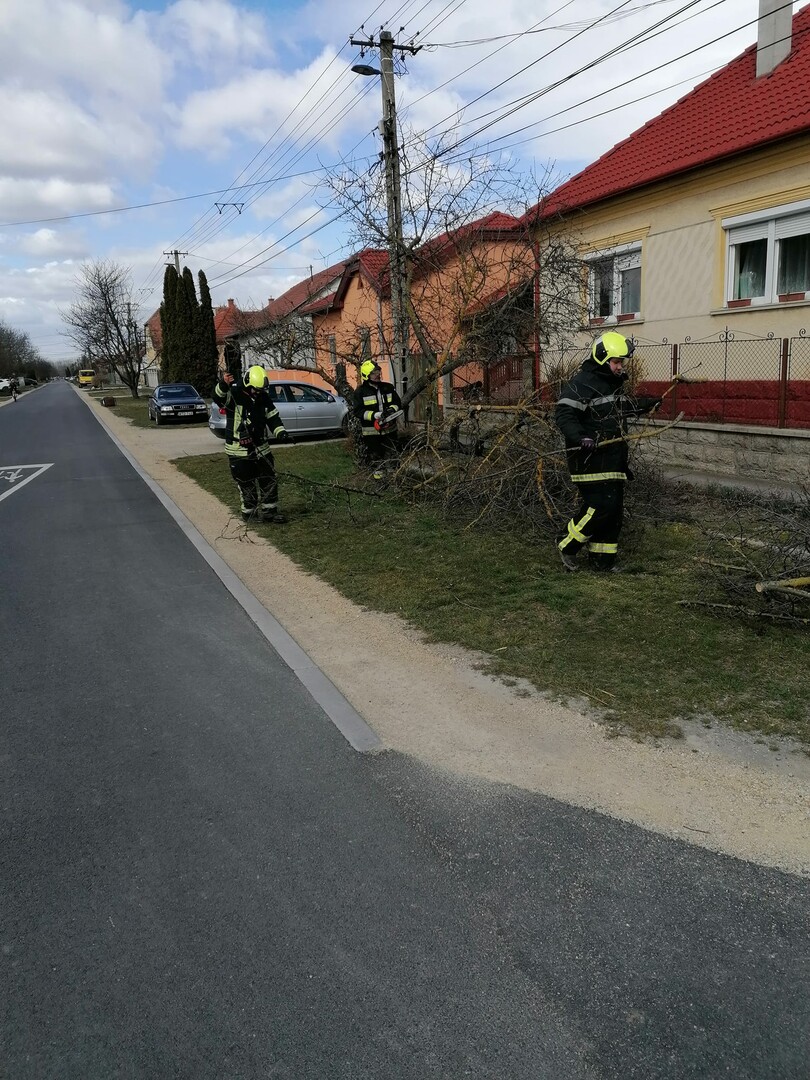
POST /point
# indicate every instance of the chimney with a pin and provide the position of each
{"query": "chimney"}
(775, 33)
(230, 302)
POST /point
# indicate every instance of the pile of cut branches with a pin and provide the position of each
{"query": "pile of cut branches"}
(500, 467)
(496, 474)
(756, 560)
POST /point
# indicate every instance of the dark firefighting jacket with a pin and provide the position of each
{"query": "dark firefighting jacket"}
(370, 398)
(250, 422)
(594, 405)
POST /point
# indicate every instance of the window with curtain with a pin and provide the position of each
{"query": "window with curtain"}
(769, 256)
(794, 264)
(615, 283)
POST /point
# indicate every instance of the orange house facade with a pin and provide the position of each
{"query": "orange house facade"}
(469, 290)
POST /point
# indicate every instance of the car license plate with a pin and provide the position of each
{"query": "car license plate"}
(185, 412)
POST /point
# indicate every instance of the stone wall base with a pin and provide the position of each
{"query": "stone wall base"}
(756, 453)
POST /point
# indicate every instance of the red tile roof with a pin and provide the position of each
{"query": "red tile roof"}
(155, 330)
(491, 227)
(228, 320)
(731, 112)
(303, 292)
(317, 306)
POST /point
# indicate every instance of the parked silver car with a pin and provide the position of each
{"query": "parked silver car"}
(304, 410)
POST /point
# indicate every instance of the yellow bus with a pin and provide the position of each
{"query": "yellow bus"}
(87, 377)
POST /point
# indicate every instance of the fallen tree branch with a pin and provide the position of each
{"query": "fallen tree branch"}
(787, 587)
(748, 612)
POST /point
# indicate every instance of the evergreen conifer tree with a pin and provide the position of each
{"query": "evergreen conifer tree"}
(207, 348)
(186, 323)
(167, 324)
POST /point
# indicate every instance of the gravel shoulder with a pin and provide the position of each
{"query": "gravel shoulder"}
(715, 788)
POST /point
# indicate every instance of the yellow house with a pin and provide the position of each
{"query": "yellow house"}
(695, 231)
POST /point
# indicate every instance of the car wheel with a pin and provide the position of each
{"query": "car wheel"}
(344, 425)
(158, 420)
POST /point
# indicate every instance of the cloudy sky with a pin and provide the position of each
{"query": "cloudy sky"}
(125, 124)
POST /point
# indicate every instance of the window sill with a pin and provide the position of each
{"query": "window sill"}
(616, 320)
(729, 310)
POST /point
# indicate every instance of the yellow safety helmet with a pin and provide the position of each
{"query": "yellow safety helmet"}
(368, 367)
(255, 377)
(612, 346)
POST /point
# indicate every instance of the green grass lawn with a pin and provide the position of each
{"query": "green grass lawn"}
(135, 409)
(623, 641)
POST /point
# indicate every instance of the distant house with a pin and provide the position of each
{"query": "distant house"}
(228, 320)
(695, 233)
(463, 286)
(280, 335)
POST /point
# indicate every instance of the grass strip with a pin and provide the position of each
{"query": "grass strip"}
(621, 641)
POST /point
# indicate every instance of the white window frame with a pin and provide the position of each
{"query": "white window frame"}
(774, 224)
(625, 257)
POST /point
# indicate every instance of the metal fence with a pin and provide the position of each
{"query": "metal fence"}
(730, 380)
(726, 379)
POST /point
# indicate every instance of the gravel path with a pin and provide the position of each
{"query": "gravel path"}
(717, 789)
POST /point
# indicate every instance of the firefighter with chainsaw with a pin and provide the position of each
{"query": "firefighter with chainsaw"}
(593, 409)
(252, 420)
(377, 405)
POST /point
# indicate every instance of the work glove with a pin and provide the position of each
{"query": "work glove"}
(587, 444)
(283, 436)
(377, 416)
(246, 442)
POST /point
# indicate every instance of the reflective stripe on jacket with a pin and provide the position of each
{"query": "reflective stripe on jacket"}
(594, 405)
(370, 398)
(247, 417)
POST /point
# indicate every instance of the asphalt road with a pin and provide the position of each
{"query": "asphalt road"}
(200, 878)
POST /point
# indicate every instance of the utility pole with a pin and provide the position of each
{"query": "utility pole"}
(393, 194)
(177, 255)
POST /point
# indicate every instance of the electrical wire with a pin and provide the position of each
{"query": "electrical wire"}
(190, 235)
(522, 103)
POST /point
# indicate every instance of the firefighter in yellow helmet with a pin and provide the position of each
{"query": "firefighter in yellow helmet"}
(377, 405)
(252, 420)
(592, 409)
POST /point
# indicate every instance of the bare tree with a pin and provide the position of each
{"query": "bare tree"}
(103, 322)
(484, 278)
(18, 355)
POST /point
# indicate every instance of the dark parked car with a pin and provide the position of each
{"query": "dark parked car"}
(176, 402)
(304, 410)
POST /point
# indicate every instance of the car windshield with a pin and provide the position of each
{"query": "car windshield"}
(181, 390)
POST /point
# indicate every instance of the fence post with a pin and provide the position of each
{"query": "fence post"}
(781, 420)
(675, 358)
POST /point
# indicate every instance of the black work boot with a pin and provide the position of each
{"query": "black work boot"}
(567, 559)
(271, 515)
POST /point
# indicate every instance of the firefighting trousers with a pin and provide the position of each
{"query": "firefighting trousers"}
(597, 523)
(255, 477)
(378, 447)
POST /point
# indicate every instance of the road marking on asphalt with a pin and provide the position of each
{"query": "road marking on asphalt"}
(18, 476)
(337, 708)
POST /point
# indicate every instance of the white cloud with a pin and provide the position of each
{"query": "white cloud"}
(216, 32)
(27, 199)
(47, 136)
(260, 105)
(50, 242)
(96, 50)
(106, 104)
